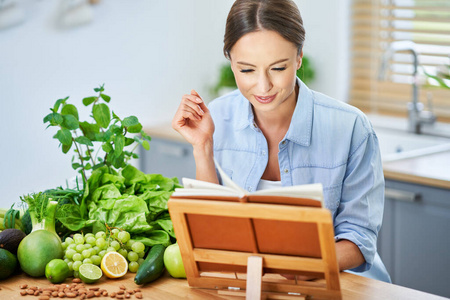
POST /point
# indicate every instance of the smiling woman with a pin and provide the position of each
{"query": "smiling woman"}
(274, 128)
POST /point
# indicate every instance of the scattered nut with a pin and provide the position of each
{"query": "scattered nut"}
(71, 295)
(77, 290)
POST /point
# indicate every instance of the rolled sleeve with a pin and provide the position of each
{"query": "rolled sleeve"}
(359, 216)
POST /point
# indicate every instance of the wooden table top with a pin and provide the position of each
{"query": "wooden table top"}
(353, 287)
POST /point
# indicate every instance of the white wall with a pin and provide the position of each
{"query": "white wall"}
(148, 54)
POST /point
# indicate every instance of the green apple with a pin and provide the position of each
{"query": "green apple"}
(173, 261)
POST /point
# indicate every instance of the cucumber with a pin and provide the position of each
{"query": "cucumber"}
(152, 267)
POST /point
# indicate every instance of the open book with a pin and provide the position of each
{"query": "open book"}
(305, 195)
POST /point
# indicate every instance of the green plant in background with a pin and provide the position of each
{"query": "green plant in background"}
(442, 74)
(306, 72)
(226, 77)
(106, 129)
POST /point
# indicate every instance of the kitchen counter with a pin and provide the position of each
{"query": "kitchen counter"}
(431, 169)
(352, 286)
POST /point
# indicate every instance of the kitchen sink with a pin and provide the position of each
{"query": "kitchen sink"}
(395, 144)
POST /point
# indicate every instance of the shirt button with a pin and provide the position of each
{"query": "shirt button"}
(283, 142)
(286, 171)
(263, 153)
(249, 188)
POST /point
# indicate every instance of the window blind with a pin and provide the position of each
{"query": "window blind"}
(376, 24)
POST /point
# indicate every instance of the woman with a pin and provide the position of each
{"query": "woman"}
(274, 131)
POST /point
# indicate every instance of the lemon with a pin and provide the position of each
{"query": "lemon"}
(89, 273)
(114, 265)
(57, 270)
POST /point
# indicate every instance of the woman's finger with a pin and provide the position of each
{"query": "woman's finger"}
(189, 100)
(189, 113)
(201, 104)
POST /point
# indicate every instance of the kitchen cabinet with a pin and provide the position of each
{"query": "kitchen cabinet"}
(414, 241)
(170, 157)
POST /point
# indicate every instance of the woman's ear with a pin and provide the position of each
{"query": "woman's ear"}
(299, 60)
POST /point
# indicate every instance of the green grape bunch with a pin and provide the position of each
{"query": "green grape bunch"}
(90, 249)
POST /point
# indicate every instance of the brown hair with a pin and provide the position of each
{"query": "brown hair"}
(247, 16)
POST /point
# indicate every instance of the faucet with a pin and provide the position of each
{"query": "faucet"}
(417, 116)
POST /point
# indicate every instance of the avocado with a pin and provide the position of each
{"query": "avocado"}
(8, 263)
(10, 239)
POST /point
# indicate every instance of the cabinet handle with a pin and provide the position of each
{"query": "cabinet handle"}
(401, 195)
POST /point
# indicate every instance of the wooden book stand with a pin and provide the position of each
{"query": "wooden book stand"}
(232, 246)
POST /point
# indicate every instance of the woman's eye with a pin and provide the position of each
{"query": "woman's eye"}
(279, 69)
(246, 71)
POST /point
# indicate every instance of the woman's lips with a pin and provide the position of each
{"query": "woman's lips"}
(265, 99)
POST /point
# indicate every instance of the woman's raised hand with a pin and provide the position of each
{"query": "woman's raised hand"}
(193, 120)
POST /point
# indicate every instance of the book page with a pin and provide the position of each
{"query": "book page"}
(198, 187)
(311, 191)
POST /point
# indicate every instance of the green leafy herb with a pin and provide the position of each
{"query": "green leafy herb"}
(106, 129)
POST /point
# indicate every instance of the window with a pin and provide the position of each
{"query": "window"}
(376, 27)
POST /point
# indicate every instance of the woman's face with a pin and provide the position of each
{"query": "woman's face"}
(264, 66)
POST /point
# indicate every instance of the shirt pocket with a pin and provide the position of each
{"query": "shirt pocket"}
(332, 197)
(227, 172)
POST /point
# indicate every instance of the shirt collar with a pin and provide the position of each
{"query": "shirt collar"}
(300, 129)
(244, 114)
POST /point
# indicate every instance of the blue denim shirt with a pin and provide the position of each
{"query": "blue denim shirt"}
(328, 142)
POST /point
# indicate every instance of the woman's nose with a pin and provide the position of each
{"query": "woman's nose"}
(264, 83)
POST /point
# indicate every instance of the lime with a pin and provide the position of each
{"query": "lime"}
(8, 263)
(90, 273)
(57, 270)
